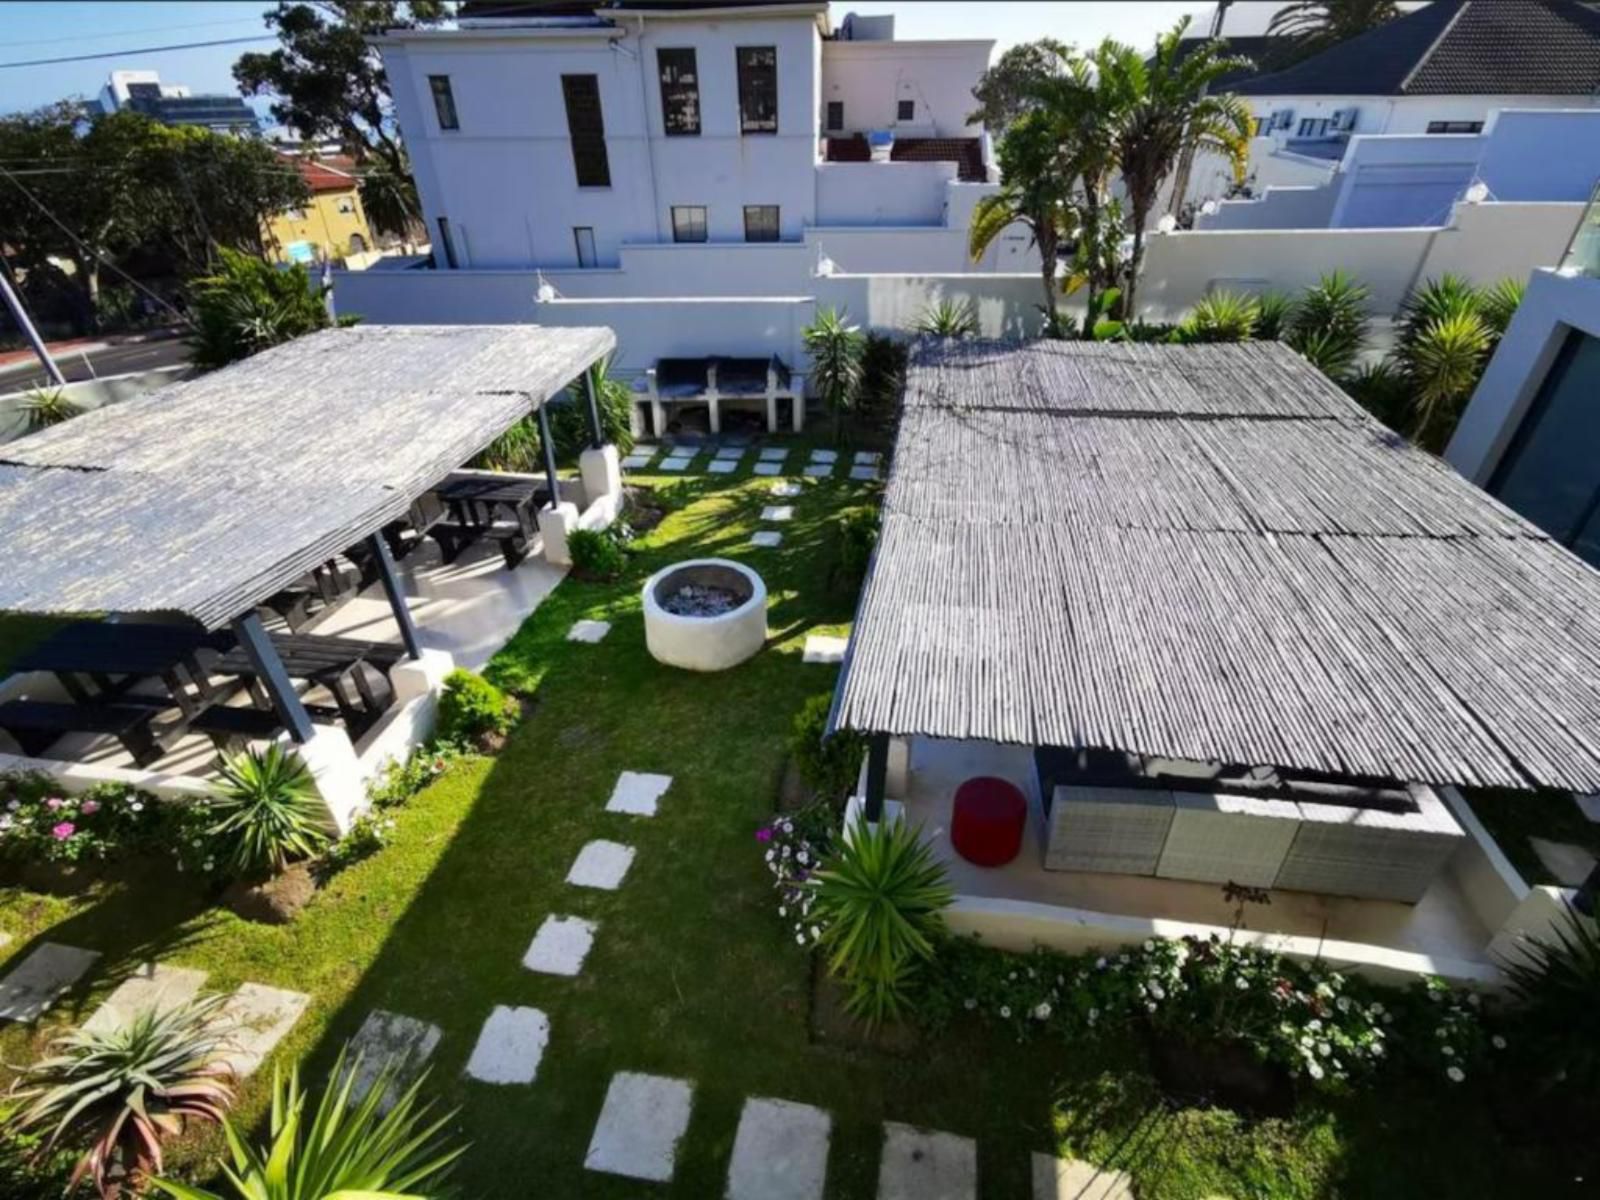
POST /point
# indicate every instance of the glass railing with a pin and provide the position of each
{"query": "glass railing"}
(1583, 252)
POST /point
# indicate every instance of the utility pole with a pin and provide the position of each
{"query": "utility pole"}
(20, 314)
(1180, 181)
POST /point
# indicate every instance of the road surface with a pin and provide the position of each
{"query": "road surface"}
(109, 360)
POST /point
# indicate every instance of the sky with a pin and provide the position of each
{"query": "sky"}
(57, 28)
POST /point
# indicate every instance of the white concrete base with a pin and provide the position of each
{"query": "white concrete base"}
(152, 988)
(421, 676)
(705, 643)
(335, 771)
(36, 983)
(897, 779)
(637, 793)
(828, 457)
(254, 1020)
(641, 1123)
(510, 1046)
(921, 1164)
(601, 865)
(560, 946)
(780, 1152)
(601, 472)
(555, 525)
(388, 1039)
(773, 454)
(1074, 1179)
(855, 811)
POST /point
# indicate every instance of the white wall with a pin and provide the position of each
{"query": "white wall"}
(1542, 155)
(1405, 180)
(870, 78)
(1276, 208)
(1006, 306)
(1489, 242)
(892, 193)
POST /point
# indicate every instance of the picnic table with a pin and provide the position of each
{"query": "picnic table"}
(503, 508)
(339, 664)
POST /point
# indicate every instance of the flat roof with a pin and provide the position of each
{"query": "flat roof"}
(1211, 553)
(203, 498)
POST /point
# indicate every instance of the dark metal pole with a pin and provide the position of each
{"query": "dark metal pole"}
(396, 594)
(25, 323)
(264, 658)
(877, 775)
(597, 434)
(547, 443)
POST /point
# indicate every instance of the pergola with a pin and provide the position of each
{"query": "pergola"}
(1209, 553)
(202, 499)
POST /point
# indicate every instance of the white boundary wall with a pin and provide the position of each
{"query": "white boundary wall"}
(86, 394)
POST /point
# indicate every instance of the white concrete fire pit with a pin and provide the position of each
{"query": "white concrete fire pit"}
(705, 615)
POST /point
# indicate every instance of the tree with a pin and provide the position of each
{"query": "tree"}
(1312, 26)
(1011, 87)
(1034, 192)
(250, 305)
(390, 200)
(1163, 108)
(836, 349)
(325, 80)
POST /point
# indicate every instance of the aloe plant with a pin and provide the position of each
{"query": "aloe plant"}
(270, 814)
(1329, 324)
(1442, 362)
(1221, 316)
(44, 407)
(948, 319)
(123, 1092)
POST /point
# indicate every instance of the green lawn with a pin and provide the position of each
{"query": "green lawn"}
(692, 974)
(1512, 817)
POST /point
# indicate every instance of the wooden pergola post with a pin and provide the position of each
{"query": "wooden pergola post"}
(548, 445)
(397, 596)
(597, 434)
(264, 658)
(877, 776)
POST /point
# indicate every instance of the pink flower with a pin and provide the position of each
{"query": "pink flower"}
(90, 807)
(54, 803)
(63, 831)
(764, 835)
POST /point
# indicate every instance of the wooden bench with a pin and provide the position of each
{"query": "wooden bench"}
(37, 724)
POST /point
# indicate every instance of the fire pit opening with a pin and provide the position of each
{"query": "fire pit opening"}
(705, 615)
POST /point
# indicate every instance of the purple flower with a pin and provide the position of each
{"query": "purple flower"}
(63, 831)
(54, 803)
(90, 807)
(764, 834)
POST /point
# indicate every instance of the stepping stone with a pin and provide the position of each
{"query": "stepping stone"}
(778, 512)
(774, 454)
(867, 458)
(560, 946)
(388, 1039)
(825, 456)
(510, 1046)
(641, 1123)
(40, 979)
(731, 451)
(723, 466)
(818, 471)
(766, 537)
(921, 1164)
(1568, 864)
(786, 489)
(153, 987)
(766, 468)
(588, 631)
(637, 792)
(602, 865)
(821, 648)
(254, 1020)
(780, 1152)
(1074, 1179)
(864, 474)
(673, 464)
(634, 461)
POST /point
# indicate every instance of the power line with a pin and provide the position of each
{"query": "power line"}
(72, 58)
(100, 37)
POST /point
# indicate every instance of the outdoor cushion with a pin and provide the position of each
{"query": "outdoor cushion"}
(987, 821)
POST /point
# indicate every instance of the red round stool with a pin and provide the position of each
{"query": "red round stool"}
(987, 821)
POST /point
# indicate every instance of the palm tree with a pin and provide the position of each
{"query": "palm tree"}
(1035, 193)
(1163, 108)
(835, 348)
(1313, 25)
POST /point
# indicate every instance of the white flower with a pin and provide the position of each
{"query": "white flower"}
(1241, 982)
(1157, 992)
(803, 858)
(783, 911)
(1447, 1051)
(13, 806)
(1324, 1049)
(1377, 1049)
(1343, 1004)
(1498, 1042)
(1042, 1012)
(1149, 1006)
(970, 1003)
(1314, 1024)
(1315, 1070)
(137, 806)
(1149, 945)
(1094, 1014)
(1013, 975)
(771, 854)
(1376, 1009)
(800, 939)
(1100, 963)
(815, 933)
(1388, 1018)
(1005, 1011)
(1455, 1074)
(1474, 999)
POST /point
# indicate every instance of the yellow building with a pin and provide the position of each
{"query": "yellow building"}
(332, 224)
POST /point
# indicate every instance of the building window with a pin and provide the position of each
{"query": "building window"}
(688, 223)
(347, 205)
(758, 89)
(835, 116)
(1455, 126)
(358, 244)
(444, 241)
(908, 111)
(680, 93)
(1313, 127)
(583, 235)
(444, 101)
(760, 222)
(587, 128)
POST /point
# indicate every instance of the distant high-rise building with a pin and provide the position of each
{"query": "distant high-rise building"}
(175, 104)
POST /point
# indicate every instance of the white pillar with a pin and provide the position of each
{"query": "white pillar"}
(601, 472)
(335, 773)
(797, 384)
(897, 782)
(555, 524)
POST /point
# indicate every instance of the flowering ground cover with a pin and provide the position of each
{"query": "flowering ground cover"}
(694, 974)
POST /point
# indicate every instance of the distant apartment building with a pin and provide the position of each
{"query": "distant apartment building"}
(175, 104)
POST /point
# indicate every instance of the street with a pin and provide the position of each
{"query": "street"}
(108, 360)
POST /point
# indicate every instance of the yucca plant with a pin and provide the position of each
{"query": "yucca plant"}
(1221, 316)
(1274, 311)
(1499, 302)
(836, 348)
(123, 1092)
(1436, 299)
(269, 812)
(1329, 324)
(879, 901)
(1382, 390)
(1442, 364)
(1555, 981)
(948, 319)
(343, 1150)
(44, 407)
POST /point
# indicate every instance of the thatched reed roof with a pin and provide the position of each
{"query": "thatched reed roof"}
(203, 498)
(1211, 553)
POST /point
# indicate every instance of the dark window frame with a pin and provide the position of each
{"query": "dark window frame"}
(676, 89)
(752, 76)
(834, 120)
(577, 240)
(906, 110)
(586, 129)
(1455, 126)
(678, 234)
(444, 102)
(776, 229)
(450, 259)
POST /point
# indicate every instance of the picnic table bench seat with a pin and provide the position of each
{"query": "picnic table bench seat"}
(37, 724)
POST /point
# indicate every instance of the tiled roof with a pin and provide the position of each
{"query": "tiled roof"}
(966, 153)
(1455, 48)
(326, 176)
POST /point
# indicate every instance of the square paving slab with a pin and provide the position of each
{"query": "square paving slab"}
(153, 987)
(637, 792)
(866, 458)
(730, 451)
(864, 474)
(560, 946)
(818, 471)
(1073, 1179)
(921, 1164)
(588, 631)
(39, 980)
(640, 1125)
(254, 1020)
(388, 1039)
(510, 1046)
(786, 489)
(821, 648)
(778, 512)
(601, 865)
(766, 468)
(673, 464)
(634, 461)
(774, 454)
(825, 456)
(766, 537)
(723, 466)
(780, 1152)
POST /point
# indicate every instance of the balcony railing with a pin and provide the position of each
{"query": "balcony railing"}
(1583, 251)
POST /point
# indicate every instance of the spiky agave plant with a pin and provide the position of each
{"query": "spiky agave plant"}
(1442, 363)
(948, 319)
(269, 814)
(123, 1092)
(1499, 302)
(1329, 325)
(44, 407)
(1434, 300)
(1221, 316)
(879, 901)
(1274, 310)
(344, 1149)
(1555, 980)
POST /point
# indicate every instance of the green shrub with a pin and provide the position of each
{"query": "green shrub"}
(883, 378)
(596, 553)
(828, 766)
(471, 708)
(858, 538)
(1274, 311)
(947, 319)
(1556, 980)
(250, 305)
(399, 781)
(269, 813)
(569, 422)
(1329, 324)
(1220, 316)
(1382, 390)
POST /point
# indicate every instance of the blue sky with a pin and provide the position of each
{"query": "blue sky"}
(31, 30)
